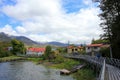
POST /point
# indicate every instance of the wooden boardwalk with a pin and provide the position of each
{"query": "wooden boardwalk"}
(112, 73)
(110, 68)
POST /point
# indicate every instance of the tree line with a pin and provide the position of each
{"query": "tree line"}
(110, 16)
(13, 47)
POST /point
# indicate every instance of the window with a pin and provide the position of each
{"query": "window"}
(72, 50)
(76, 49)
(88, 47)
(95, 47)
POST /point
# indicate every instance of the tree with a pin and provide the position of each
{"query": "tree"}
(100, 41)
(48, 52)
(110, 17)
(105, 52)
(18, 47)
(62, 50)
(4, 49)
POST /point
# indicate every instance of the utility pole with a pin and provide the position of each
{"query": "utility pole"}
(68, 43)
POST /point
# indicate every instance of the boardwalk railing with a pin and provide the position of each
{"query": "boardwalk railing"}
(113, 61)
(110, 68)
(102, 73)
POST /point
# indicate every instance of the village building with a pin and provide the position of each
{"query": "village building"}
(74, 49)
(94, 49)
(35, 51)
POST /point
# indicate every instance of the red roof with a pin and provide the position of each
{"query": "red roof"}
(36, 49)
(70, 47)
(80, 47)
(95, 45)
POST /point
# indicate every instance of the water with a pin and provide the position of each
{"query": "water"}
(29, 71)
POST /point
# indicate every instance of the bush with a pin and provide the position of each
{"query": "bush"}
(105, 52)
(84, 74)
(59, 59)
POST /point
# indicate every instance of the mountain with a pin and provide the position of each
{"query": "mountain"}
(25, 40)
(57, 43)
(4, 37)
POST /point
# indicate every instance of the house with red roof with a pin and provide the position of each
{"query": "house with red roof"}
(93, 49)
(74, 49)
(35, 51)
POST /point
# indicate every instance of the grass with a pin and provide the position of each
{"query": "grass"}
(35, 60)
(9, 58)
(84, 74)
(65, 63)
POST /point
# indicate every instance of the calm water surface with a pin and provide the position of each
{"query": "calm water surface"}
(29, 71)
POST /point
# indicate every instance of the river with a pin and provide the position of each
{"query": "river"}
(29, 71)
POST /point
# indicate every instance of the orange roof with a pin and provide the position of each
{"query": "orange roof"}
(70, 47)
(95, 45)
(36, 49)
(80, 47)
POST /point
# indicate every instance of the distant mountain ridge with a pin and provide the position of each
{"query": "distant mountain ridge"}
(8, 38)
(57, 43)
(4, 37)
(27, 41)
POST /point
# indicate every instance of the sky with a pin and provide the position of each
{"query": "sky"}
(75, 21)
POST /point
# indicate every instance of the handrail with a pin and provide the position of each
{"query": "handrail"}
(102, 74)
(109, 67)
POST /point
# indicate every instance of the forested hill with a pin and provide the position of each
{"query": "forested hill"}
(7, 38)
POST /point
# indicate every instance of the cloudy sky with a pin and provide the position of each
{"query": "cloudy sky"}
(76, 21)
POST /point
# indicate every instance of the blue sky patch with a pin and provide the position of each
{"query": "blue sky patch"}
(72, 6)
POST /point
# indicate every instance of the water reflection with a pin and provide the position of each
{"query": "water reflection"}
(29, 71)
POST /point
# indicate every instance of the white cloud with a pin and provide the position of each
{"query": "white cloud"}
(8, 29)
(87, 2)
(46, 20)
(21, 29)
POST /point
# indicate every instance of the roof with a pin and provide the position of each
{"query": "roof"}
(80, 47)
(95, 45)
(70, 47)
(36, 49)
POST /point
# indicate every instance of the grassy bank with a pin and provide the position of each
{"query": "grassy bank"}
(35, 60)
(64, 63)
(84, 74)
(10, 58)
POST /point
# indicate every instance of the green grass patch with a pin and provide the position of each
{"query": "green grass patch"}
(67, 64)
(9, 58)
(84, 74)
(34, 59)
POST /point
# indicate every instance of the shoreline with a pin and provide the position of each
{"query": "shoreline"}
(11, 58)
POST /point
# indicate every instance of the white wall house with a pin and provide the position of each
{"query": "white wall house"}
(35, 51)
(92, 49)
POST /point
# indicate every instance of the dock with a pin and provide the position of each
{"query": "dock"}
(74, 69)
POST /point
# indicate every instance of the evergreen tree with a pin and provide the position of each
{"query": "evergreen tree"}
(111, 23)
